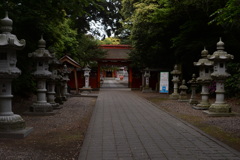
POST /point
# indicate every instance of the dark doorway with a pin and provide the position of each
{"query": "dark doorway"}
(108, 73)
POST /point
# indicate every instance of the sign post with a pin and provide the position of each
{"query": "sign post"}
(164, 82)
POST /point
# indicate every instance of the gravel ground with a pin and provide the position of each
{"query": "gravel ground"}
(54, 137)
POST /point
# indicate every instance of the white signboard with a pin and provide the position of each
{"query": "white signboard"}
(164, 82)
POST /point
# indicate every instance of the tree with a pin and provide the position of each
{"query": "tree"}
(164, 32)
(111, 40)
(149, 43)
(59, 23)
(228, 15)
(88, 51)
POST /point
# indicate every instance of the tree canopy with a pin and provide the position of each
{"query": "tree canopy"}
(164, 32)
(62, 23)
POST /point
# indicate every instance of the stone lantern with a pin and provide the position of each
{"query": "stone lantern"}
(220, 57)
(146, 87)
(11, 125)
(205, 68)
(86, 88)
(87, 71)
(51, 82)
(42, 57)
(58, 87)
(175, 81)
(183, 91)
(64, 86)
(194, 84)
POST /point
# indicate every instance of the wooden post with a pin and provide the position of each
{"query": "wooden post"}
(98, 75)
(76, 80)
(130, 77)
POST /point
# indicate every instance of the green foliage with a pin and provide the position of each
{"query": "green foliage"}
(228, 15)
(62, 23)
(149, 42)
(67, 38)
(111, 40)
(164, 32)
(232, 84)
(88, 51)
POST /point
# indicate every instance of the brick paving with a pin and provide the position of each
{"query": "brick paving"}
(127, 127)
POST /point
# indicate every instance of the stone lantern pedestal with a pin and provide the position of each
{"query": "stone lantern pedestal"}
(86, 88)
(11, 125)
(64, 86)
(51, 83)
(183, 92)
(146, 87)
(42, 57)
(58, 86)
(220, 57)
(205, 68)
(175, 81)
(194, 84)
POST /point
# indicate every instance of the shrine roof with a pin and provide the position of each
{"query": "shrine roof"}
(69, 60)
(116, 52)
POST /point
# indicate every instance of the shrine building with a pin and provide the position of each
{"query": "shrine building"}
(115, 64)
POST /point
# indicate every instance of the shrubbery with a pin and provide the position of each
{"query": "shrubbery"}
(232, 85)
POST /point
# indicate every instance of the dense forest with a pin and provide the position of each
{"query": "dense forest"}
(162, 32)
(168, 32)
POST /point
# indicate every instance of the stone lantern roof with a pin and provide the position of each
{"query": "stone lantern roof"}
(204, 61)
(183, 86)
(175, 71)
(193, 81)
(86, 68)
(42, 57)
(41, 52)
(147, 72)
(54, 65)
(65, 73)
(8, 40)
(54, 62)
(220, 54)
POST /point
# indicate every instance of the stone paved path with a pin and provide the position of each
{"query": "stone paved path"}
(111, 83)
(127, 127)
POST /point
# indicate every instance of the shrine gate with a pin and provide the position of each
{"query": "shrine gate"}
(116, 58)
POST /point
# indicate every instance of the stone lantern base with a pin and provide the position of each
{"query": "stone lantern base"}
(50, 99)
(64, 98)
(193, 102)
(85, 90)
(55, 105)
(147, 90)
(219, 110)
(41, 109)
(183, 97)
(202, 106)
(174, 96)
(59, 100)
(13, 126)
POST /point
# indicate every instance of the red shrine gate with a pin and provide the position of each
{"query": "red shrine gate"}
(116, 58)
